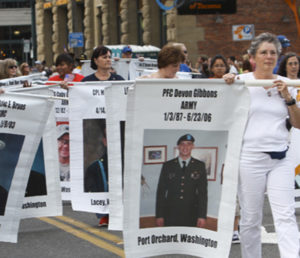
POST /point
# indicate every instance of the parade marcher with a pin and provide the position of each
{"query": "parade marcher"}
(285, 44)
(79, 63)
(64, 66)
(10, 69)
(127, 52)
(168, 61)
(181, 197)
(232, 67)
(289, 66)
(202, 66)
(38, 67)
(101, 61)
(264, 165)
(218, 67)
(246, 67)
(183, 66)
(25, 69)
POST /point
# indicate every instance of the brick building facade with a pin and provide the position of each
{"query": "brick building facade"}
(112, 22)
(267, 15)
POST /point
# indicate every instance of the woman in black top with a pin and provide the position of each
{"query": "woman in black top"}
(101, 61)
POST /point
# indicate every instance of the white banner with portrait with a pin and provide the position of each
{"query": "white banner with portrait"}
(166, 212)
(116, 103)
(61, 132)
(88, 148)
(42, 194)
(62, 135)
(22, 121)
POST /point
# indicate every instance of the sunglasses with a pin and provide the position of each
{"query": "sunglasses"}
(185, 51)
(13, 66)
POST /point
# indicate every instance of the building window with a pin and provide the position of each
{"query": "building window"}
(163, 28)
(15, 4)
(12, 40)
(140, 22)
(118, 21)
(99, 19)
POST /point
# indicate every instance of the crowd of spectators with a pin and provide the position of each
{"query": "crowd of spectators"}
(205, 66)
(174, 58)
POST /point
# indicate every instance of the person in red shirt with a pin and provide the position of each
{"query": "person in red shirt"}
(64, 66)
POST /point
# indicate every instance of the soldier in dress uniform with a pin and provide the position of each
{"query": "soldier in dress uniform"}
(181, 197)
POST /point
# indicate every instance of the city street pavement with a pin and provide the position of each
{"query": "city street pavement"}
(77, 235)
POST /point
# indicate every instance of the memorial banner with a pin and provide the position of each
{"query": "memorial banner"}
(20, 81)
(121, 67)
(22, 121)
(88, 148)
(182, 145)
(179, 75)
(63, 139)
(61, 109)
(116, 103)
(136, 67)
(42, 194)
(128, 68)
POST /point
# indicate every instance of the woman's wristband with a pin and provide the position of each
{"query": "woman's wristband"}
(290, 102)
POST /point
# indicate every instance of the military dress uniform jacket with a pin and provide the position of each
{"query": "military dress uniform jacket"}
(181, 196)
(96, 176)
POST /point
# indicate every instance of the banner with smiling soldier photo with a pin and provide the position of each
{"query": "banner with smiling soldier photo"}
(182, 145)
(42, 196)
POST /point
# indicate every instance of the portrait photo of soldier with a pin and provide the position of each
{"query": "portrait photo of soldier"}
(181, 196)
(96, 173)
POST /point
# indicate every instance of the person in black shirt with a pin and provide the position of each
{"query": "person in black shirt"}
(101, 61)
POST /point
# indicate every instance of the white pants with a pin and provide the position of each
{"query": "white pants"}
(260, 173)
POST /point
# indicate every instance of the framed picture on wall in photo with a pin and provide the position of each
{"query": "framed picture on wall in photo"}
(209, 155)
(155, 154)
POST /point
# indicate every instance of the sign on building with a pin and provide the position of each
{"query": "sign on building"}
(76, 39)
(243, 32)
(26, 46)
(207, 7)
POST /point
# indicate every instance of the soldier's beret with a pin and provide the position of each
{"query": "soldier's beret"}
(186, 137)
